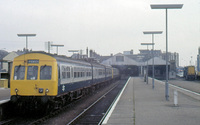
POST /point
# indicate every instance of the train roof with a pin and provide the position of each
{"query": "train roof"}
(61, 58)
(64, 58)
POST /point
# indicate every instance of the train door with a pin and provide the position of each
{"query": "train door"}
(59, 77)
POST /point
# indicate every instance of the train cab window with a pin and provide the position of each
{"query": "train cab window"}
(19, 72)
(45, 72)
(32, 73)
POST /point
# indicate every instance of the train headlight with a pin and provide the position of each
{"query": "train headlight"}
(47, 90)
(16, 90)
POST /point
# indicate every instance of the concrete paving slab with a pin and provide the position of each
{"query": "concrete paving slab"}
(4, 93)
(151, 108)
(124, 110)
(142, 105)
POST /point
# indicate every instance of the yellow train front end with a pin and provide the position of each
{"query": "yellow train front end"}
(34, 78)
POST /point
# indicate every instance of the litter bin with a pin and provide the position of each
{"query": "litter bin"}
(3, 83)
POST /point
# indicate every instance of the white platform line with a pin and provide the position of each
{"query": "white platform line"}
(177, 87)
(3, 101)
(114, 105)
(185, 89)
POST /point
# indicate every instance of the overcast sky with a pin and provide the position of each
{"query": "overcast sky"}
(106, 26)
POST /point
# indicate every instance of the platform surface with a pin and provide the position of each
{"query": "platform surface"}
(142, 105)
(4, 94)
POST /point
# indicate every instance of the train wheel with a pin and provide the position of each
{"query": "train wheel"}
(47, 108)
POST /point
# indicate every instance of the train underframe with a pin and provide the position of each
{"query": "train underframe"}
(190, 77)
(46, 104)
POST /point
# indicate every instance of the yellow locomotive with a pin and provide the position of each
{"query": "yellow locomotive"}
(39, 78)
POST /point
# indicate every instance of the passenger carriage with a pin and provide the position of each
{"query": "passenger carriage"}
(40, 77)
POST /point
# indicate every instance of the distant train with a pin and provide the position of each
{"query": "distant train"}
(40, 78)
(197, 75)
(189, 73)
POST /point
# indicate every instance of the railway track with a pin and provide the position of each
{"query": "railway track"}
(7, 122)
(34, 120)
(69, 111)
(95, 112)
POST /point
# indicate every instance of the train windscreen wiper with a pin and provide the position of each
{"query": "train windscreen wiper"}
(43, 67)
(18, 68)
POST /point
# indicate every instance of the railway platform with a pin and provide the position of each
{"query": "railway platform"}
(139, 104)
(4, 94)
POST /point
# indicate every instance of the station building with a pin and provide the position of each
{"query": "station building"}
(126, 65)
(138, 64)
(6, 61)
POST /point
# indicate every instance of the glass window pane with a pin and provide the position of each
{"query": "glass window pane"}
(19, 72)
(45, 72)
(65, 72)
(32, 73)
(68, 74)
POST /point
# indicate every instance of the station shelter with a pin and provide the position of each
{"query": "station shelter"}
(126, 65)
(159, 68)
(135, 67)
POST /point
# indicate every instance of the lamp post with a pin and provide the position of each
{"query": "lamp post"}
(152, 33)
(147, 44)
(26, 35)
(166, 7)
(73, 51)
(55, 45)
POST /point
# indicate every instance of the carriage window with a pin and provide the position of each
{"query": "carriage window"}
(32, 72)
(65, 72)
(45, 72)
(19, 72)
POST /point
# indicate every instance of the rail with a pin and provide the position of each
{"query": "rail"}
(82, 113)
(113, 105)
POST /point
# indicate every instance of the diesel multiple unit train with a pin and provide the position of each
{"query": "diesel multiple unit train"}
(40, 78)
